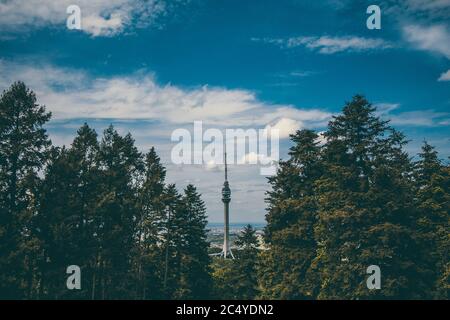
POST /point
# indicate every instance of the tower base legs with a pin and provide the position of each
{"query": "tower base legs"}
(227, 254)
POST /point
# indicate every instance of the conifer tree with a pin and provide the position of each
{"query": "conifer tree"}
(172, 241)
(349, 206)
(246, 263)
(84, 157)
(151, 225)
(186, 262)
(285, 271)
(59, 225)
(225, 277)
(116, 211)
(366, 211)
(433, 202)
(24, 148)
(195, 270)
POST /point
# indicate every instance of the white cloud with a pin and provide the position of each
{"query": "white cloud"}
(424, 118)
(433, 38)
(427, 4)
(445, 76)
(428, 9)
(286, 126)
(99, 26)
(330, 45)
(385, 108)
(253, 157)
(73, 94)
(98, 17)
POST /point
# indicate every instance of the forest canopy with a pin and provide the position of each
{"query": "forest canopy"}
(336, 206)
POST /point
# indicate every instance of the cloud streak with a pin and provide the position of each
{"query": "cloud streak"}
(428, 10)
(419, 118)
(329, 44)
(98, 17)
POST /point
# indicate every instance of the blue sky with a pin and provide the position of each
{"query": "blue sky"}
(150, 67)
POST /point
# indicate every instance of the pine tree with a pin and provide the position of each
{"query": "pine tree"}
(366, 210)
(336, 209)
(116, 212)
(56, 223)
(84, 157)
(195, 273)
(291, 216)
(247, 263)
(173, 241)
(66, 217)
(433, 201)
(23, 150)
(150, 228)
(186, 262)
(225, 277)
(238, 278)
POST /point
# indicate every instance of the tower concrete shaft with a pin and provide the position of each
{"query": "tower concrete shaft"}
(226, 198)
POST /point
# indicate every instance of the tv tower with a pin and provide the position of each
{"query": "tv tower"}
(226, 198)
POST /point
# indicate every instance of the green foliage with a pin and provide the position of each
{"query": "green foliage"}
(238, 278)
(341, 202)
(355, 201)
(24, 149)
(433, 203)
(225, 279)
(186, 274)
(285, 269)
(246, 263)
(195, 273)
(100, 205)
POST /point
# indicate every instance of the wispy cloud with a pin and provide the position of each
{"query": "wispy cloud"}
(98, 18)
(445, 76)
(428, 10)
(386, 108)
(301, 74)
(290, 79)
(427, 4)
(73, 94)
(435, 39)
(430, 38)
(329, 44)
(422, 118)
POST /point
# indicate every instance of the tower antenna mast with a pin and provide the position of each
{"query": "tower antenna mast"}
(226, 168)
(226, 198)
